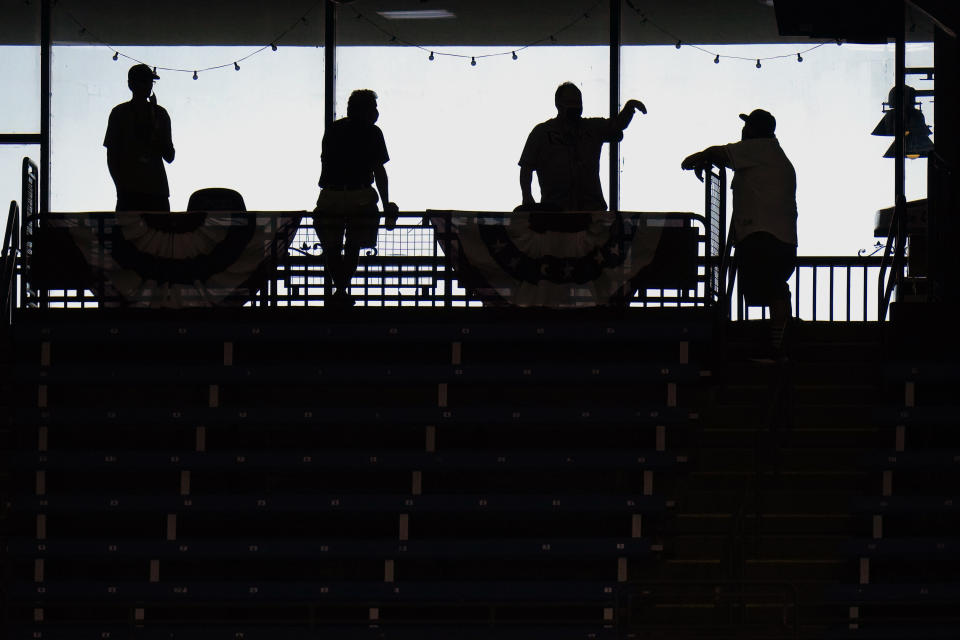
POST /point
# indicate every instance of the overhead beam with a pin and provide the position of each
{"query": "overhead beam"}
(20, 138)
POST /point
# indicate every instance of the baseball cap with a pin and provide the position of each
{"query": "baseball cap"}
(761, 120)
(141, 71)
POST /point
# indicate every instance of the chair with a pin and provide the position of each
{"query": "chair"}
(216, 199)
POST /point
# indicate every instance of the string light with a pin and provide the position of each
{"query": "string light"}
(552, 38)
(679, 42)
(235, 64)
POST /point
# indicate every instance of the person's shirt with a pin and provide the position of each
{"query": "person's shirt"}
(350, 152)
(137, 133)
(567, 161)
(764, 189)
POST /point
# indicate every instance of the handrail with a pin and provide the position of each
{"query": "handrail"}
(30, 210)
(736, 590)
(896, 244)
(715, 214)
(11, 251)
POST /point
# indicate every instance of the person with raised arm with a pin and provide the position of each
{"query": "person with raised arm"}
(565, 153)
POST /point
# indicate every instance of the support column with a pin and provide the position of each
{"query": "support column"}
(46, 56)
(329, 63)
(615, 7)
(899, 198)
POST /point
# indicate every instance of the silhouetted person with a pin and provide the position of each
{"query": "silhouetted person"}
(352, 157)
(565, 153)
(764, 223)
(138, 140)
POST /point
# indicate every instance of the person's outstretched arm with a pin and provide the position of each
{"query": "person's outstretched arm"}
(711, 156)
(626, 115)
(526, 180)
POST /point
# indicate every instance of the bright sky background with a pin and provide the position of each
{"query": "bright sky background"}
(455, 131)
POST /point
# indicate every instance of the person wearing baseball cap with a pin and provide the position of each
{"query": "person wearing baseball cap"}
(763, 227)
(138, 141)
(565, 154)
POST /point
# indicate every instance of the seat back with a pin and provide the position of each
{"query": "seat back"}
(216, 199)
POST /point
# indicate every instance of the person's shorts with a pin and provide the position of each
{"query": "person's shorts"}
(353, 213)
(764, 265)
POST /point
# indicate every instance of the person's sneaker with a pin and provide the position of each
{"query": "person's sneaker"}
(342, 300)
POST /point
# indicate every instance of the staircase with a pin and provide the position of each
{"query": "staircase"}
(764, 513)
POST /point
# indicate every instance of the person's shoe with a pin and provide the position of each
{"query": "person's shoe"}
(342, 300)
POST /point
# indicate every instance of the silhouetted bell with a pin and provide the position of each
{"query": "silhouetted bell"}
(917, 143)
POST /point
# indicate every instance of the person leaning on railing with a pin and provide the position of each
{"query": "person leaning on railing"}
(764, 221)
(347, 218)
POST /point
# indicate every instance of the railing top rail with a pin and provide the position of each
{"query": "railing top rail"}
(839, 261)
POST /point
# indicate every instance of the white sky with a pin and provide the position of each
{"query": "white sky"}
(455, 132)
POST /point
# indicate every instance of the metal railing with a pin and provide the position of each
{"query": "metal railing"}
(826, 288)
(410, 269)
(8, 264)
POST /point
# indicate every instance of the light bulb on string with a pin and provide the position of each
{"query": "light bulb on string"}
(273, 46)
(717, 59)
(431, 56)
(758, 63)
(513, 54)
(195, 75)
(799, 58)
(236, 67)
(116, 56)
(678, 44)
(473, 62)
